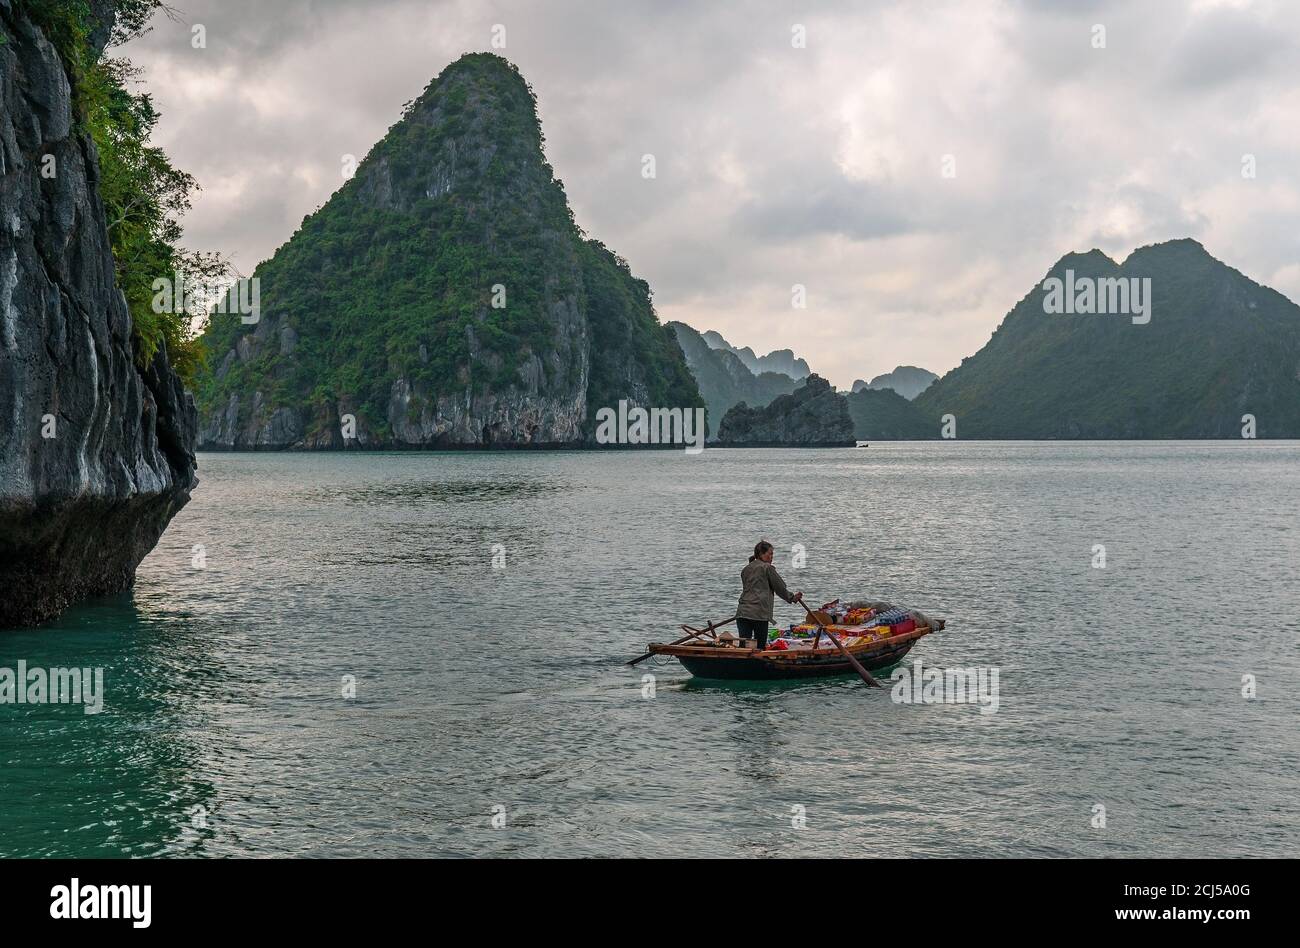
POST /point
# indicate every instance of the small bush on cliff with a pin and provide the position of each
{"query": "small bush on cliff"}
(144, 196)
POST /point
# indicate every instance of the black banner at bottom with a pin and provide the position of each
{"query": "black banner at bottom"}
(1222, 897)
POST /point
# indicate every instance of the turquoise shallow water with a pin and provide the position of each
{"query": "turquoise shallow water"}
(225, 731)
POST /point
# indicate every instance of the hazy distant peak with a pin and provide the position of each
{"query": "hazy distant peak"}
(907, 380)
(780, 361)
(715, 340)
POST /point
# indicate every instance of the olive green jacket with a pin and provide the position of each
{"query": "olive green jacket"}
(758, 582)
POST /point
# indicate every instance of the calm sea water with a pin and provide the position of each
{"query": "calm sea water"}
(482, 690)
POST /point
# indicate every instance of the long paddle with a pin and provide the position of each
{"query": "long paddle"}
(693, 634)
(821, 627)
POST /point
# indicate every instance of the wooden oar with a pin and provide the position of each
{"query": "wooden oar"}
(821, 627)
(694, 633)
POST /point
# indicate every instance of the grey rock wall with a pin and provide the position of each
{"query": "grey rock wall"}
(81, 508)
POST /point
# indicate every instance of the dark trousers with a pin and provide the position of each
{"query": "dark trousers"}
(753, 629)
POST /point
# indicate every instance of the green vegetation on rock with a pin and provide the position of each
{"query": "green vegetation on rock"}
(448, 268)
(143, 195)
(1218, 346)
(884, 415)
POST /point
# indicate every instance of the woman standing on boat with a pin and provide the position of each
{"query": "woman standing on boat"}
(759, 582)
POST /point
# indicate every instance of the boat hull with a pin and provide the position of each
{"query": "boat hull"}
(812, 666)
(711, 658)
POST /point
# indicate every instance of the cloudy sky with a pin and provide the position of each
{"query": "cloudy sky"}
(778, 165)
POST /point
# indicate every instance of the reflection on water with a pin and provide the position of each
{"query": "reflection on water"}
(382, 651)
(425, 491)
(125, 781)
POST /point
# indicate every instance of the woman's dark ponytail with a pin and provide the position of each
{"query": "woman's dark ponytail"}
(760, 549)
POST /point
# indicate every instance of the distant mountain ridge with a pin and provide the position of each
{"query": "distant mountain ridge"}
(907, 380)
(723, 378)
(782, 361)
(1214, 349)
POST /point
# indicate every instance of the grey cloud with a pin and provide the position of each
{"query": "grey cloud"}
(833, 206)
(1226, 46)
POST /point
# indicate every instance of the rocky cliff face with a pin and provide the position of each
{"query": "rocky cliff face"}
(813, 415)
(96, 456)
(443, 297)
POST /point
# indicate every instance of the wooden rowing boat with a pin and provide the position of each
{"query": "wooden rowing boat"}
(713, 659)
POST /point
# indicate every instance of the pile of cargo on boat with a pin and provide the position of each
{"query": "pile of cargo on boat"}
(851, 623)
(838, 638)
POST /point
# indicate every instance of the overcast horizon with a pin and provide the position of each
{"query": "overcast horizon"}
(917, 167)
